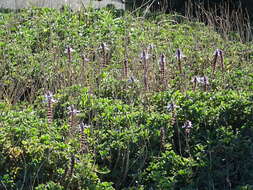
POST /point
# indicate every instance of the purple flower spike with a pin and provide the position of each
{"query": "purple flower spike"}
(131, 79)
(179, 54)
(201, 80)
(171, 107)
(104, 47)
(69, 50)
(49, 97)
(218, 53)
(151, 47)
(187, 125)
(162, 59)
(83, 126)
(86, 59)
(145, 55)
(72, 110)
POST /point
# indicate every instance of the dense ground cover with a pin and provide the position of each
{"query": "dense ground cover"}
(141, 103)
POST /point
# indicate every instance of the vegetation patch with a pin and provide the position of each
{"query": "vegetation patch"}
(91, 100)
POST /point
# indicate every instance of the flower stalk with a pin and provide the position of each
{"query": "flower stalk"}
(162, 71)
(104, 49)
(69, 51)
(162, 138)
(218, 56)
(83, 145)
(49, 100)
(179, 56)
(125, 71)
(145, 68)
(72, 116)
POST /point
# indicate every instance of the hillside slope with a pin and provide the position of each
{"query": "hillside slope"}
(90, 100)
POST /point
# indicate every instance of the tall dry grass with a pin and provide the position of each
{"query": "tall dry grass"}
(231, 23)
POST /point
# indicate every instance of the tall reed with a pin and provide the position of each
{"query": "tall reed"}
(224, 19)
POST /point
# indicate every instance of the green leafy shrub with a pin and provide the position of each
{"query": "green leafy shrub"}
(136, 136)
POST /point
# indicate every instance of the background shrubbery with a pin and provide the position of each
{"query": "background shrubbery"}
(133, 132)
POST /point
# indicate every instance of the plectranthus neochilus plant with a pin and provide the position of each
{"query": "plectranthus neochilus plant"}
(179, 57)
(172, 107)
(104, 48)
(222, 61)
(187, 129)
(187, 126)
(72, 112)
(151, 51)
(49, 100)
(69, 51)
(145, 57)
(72, 166)
(162, 138)
(85, 60)
(215, 59)
(83, 145)
(218, 57)
(162, 72)
(206, 83)
(200, 80)
(194, 81)
(125, 69)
